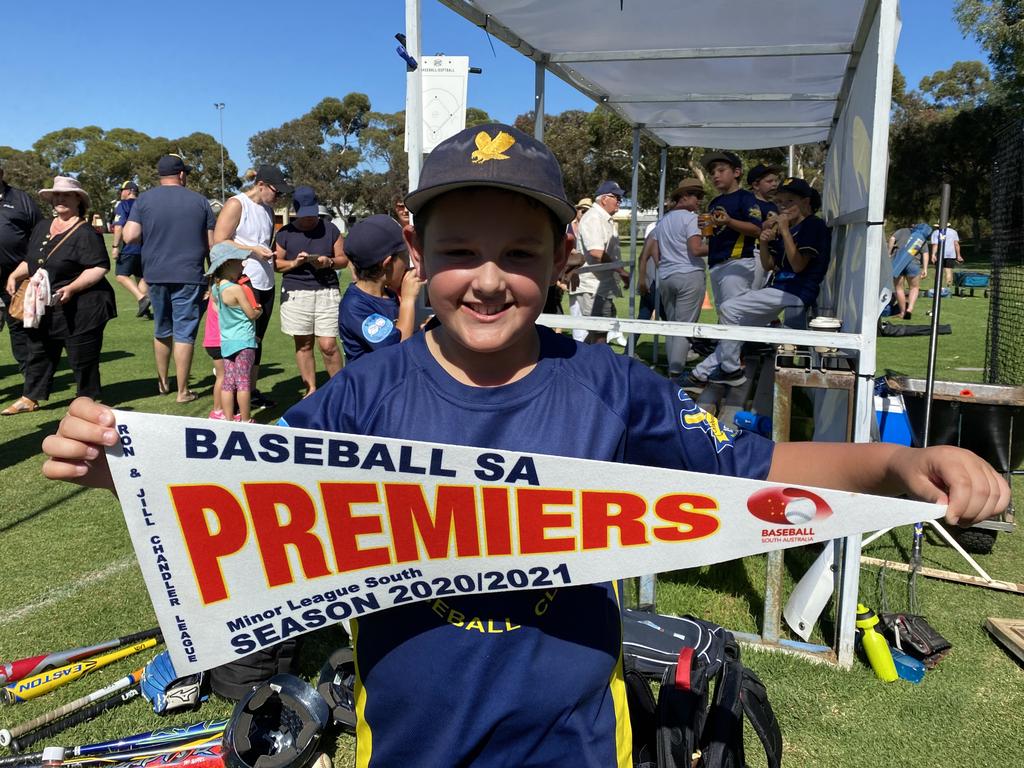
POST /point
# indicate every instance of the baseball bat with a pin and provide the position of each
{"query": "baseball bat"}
(206, 756)
(12, 671)
(101, 761)
(159, 740)
(6, 735)
(75, 718)
(37, 685)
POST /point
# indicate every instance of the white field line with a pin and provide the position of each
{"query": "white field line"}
(56, 595)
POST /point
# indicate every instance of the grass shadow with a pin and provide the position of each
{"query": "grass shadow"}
(730, 577)
(42, 510)
(29, 444)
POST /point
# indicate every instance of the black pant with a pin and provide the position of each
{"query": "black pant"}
(266, 300)
(44, 356)
(19, 342)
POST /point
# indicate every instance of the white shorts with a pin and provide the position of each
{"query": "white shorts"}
(310, 313)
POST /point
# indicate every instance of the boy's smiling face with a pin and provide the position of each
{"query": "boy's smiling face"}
(489, 256)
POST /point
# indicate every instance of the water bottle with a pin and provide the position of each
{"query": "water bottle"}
(907, 667)
(753, 422)
(875, 646)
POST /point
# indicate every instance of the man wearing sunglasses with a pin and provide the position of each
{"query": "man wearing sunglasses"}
(599, 275)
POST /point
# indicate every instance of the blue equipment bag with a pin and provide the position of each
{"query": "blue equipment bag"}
(916, 244)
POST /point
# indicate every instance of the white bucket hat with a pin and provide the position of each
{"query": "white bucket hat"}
(64, 184)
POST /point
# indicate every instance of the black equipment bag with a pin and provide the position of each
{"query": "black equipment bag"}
(705, 694)
(235, 679)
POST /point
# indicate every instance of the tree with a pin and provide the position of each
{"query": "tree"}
(964, 85)
(998, 25)
(102, 160)
(27, 171)
(321, 148)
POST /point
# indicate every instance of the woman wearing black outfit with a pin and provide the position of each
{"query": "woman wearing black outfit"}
(76, 261)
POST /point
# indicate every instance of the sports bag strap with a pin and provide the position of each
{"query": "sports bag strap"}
(681, 714)
(757, 708)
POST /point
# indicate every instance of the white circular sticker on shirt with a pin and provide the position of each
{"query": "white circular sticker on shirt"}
(376, 328)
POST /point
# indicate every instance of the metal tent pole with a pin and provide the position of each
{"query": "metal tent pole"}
(538, 101)
(413, 94)
(633, 193)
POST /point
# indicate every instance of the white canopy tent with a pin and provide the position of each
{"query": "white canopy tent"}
(735, 74)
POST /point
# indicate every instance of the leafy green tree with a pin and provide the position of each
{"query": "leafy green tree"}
(964, 85)
(998, 25)
(26, 170)
(321, 148)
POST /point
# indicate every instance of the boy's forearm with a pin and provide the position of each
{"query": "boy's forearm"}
(858, 467)
(406, 322)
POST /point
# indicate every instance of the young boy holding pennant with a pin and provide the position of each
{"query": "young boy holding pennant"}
(525, 678)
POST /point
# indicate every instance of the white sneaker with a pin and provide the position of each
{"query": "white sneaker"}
(617, 339)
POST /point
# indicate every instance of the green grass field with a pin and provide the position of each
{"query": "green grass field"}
(68, 578)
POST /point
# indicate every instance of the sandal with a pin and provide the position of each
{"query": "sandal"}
(162, 388)
(21, 405)
(189, 397)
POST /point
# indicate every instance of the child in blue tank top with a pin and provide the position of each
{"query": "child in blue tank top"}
(236, 317)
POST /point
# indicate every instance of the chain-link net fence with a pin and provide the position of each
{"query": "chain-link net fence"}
(1004, 348)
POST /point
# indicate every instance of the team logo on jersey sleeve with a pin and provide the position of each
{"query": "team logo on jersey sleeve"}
(693, 417)
(376, 328)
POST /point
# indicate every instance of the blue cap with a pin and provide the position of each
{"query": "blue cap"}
(801, 188)
(172, 165)
(225, 251)
(493, 155)
(609, 188)
(305, 203)
(761, 170)
(130, 185)
(372, 240)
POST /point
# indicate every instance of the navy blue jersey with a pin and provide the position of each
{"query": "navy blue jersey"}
(367, 322)
(814, 239)
(766, 207)
(121, 213)
(726, 243)
(530, 678)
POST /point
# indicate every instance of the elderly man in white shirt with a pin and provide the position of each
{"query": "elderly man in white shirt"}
(599, 276)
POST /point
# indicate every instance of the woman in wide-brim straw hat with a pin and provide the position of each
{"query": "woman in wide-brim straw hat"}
(76, 262)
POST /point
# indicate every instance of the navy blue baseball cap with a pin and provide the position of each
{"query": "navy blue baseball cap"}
(801, 188)
(305, 203)
(372, 240)
(609, 188)
(172, 165)
(493, 155)
(761, 170)
(721, 157)
(130, 185)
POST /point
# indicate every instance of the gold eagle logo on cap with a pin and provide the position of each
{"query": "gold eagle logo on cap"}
(491, 149)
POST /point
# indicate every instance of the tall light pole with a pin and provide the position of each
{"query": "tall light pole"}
(219, 106)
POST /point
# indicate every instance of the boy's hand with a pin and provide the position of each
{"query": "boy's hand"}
(720, 216)
(76, 450)
(411, 285)
(970, 487)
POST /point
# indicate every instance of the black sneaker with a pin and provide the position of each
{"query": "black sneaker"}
(693, 383)
(144, 305)
(258, 400)
(731, 379)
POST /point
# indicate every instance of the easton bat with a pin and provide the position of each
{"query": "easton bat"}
(75, 718)
(12, 671)
(7, 735)
(164, 738)
(37, 685)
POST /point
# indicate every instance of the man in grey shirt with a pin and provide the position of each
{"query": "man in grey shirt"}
(175, 226)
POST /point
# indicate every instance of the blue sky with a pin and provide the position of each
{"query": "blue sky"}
(144, 68)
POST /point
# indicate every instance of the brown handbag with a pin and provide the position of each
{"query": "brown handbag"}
(16, 306)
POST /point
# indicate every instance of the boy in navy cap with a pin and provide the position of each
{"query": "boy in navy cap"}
(526, 678)
(737, 221)
(795, 250)
(372, 315)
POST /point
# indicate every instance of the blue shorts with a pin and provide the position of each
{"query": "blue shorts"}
(913, 270)
(176, 310)
(129, 264)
